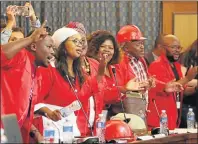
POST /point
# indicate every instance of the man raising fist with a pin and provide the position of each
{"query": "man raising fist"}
(19, 61)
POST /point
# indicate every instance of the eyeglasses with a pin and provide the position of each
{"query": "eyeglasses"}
(77, 42)
(174, 47)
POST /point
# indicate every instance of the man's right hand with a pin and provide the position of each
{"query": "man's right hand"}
(54, 115)
(40, 33)
(173, 87)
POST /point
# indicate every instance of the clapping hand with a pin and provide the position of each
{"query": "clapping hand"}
(173, 86)
(135, 85)
(152, 81)
(102, 63)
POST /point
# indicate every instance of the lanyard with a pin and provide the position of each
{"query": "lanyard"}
(178, 104)
(178, 100)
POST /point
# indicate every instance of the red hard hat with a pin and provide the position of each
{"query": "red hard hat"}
(129, 32)
(117, 129)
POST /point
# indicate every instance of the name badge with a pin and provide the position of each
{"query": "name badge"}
(178, 105)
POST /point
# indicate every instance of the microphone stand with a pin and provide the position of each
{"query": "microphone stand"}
(125, 119)
(153, 100)
(59, 140)
(75, 93)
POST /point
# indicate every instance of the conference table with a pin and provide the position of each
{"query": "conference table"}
(187, 138)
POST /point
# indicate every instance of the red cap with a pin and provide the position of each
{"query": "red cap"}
(128, 33)
(79, 27)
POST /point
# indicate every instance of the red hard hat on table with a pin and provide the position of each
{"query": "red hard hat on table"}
(117, 129)
(128, 33)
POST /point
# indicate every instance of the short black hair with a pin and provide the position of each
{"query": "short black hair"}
(190, 57)
(159, 40)
(95, 41)
(48, 29)
(17, 29)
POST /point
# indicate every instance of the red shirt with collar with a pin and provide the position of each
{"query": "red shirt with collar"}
(107, 94)
(127, 64)
(164, 101)
(17, 79)
(56, 91)
(111, 93)
(98, 102)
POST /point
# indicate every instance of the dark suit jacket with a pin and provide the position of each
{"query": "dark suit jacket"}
(149, 58)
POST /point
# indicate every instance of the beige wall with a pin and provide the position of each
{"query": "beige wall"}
(185, 26)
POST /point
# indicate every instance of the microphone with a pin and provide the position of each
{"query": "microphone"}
(59, 140)
(121, 101)
(153, 100)
(75, 93)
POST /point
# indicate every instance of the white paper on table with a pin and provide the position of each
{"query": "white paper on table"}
(180, 130)
(159, 135)
(145, 137)
(192, 130)
(183, 131)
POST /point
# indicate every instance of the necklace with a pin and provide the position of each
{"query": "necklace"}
(86, 66)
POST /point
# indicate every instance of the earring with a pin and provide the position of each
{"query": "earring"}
(65, 52)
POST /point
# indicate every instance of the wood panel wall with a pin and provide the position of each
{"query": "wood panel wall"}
(171, 7)
(175, 7)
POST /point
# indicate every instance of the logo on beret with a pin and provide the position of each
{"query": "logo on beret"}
(133, 35)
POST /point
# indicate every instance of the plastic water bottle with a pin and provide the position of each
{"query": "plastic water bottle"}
(100, 128)
(190, 119)
(68, 131)
(3, 137)
(164, 123)
(49, 133)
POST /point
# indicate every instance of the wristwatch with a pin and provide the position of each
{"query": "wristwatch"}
(32, 133)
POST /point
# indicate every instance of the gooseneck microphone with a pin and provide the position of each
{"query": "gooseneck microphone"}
(59, 140)
(153, 100)
(121, 101)
(75, 93)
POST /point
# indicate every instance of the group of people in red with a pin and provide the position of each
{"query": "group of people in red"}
(44, 68)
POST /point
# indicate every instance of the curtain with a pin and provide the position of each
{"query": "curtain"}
(106, 15)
